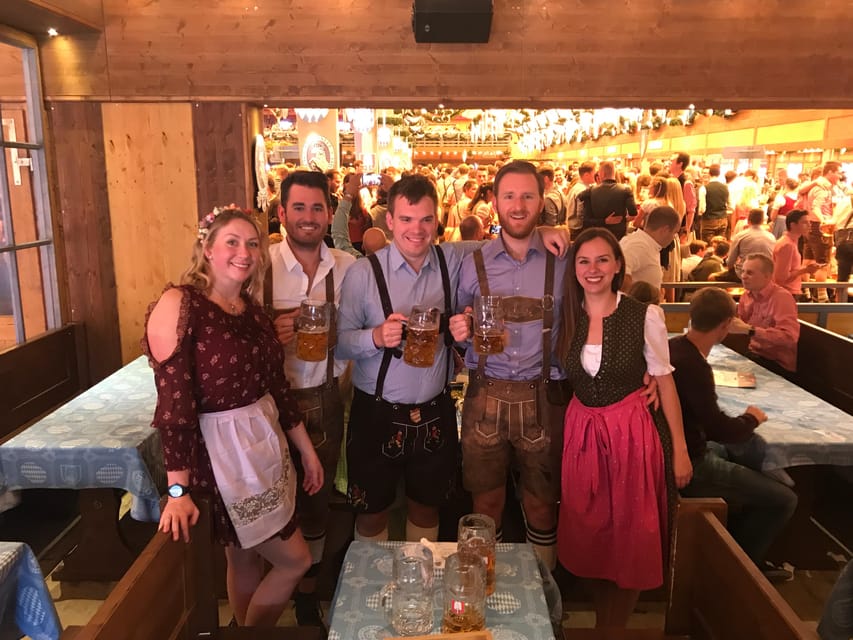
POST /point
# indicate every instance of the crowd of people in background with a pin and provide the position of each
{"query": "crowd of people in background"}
(580, 256)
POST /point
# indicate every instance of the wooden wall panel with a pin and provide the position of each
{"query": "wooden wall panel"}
(83, 216)
(152, 194)
(778, 53)
(221, 153)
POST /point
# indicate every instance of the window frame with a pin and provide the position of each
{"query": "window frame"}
(39, 181)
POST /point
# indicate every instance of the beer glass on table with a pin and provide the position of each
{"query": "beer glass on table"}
(488, 317)
(476, 534)
(410, 590)
(312, 331)
(421, 336)
(464, 606)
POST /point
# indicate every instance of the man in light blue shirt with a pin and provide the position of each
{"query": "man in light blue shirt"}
(508, 416)
(402, 419)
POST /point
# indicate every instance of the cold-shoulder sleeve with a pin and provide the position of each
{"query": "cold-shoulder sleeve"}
(176, 415)
(656, 349)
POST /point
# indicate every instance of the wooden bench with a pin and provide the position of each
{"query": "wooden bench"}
(169, 594)
(715, 591)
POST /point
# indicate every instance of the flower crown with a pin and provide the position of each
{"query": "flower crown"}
(206, 221)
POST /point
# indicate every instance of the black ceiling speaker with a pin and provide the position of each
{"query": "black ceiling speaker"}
(452, 20)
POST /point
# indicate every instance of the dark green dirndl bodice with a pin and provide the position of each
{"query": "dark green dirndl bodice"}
(623, 366)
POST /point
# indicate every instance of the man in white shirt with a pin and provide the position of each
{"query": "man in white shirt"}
(302, 267)
(642, 248)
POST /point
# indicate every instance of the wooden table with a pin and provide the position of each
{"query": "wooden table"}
(101, 443)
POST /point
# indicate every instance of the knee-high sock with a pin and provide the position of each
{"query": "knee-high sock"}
(316, 546)
(414, 533)
(382, 536)
(545, 543)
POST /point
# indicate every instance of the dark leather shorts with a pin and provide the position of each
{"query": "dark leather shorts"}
(386, 442)
(323, 412)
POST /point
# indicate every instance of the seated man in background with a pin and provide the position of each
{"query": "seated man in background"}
(764, 505)
(711, 263)
(767, 313)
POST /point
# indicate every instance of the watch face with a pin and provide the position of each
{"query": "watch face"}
(176, 490)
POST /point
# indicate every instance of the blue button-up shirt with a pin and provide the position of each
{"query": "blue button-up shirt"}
(522, 357)
(361, 311)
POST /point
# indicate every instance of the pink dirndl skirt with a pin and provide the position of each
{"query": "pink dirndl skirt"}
(613, 512)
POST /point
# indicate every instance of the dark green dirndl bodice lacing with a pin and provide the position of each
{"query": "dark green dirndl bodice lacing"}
(621, 373)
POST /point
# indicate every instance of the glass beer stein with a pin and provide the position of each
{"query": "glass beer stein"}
(421, 336)
(488, 327)
(476, 534)
(312, 331)
(464, 593)
(410, 591)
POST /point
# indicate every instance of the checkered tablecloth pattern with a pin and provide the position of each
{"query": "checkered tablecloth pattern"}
(516, 611)
(25, 603)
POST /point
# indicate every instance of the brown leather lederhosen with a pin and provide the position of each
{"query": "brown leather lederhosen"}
(523, 309)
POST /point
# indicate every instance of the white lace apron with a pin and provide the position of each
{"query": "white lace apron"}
(253, 470)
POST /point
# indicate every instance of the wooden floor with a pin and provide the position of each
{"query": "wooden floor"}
(51, 533)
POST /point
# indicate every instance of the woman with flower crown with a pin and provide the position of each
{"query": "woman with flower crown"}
(222, 400)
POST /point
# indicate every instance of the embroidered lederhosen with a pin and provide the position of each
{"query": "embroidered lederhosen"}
(392, 440)
(524, 309)
(500, 415)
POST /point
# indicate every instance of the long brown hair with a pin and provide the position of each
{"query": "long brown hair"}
(198, 273)
(573, 291)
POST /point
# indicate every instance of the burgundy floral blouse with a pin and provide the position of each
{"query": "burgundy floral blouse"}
(221, 362)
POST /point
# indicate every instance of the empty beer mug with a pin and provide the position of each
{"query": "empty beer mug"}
(488, 327)
(312, 331)
(410, 591)
(421, 336)
(464, 593)
(476, 534)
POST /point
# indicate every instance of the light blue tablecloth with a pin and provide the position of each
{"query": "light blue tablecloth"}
(25, 603)
(801, 429)
(101, 438)
(516, 611)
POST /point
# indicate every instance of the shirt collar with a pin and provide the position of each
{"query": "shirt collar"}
(397, 261)
(327, 260)
(496, 247)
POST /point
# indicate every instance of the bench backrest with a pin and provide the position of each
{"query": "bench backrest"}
(823, 365)
(166, 593)
(716, 591)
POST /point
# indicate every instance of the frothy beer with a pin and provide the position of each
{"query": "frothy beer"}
(488, 342)
(312, 344)
(420, 347)
(462, 617)
(482, 548)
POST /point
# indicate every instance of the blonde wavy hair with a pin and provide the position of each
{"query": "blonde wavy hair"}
(198, 273)
(675, 195)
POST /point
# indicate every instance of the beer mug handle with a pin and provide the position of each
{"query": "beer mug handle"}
(385, 596)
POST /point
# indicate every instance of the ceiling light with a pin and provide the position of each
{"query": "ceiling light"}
(52, 32)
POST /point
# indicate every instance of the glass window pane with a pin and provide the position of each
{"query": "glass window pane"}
(25, 227)
(7, 321)
(31, 274)
(13, 94)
